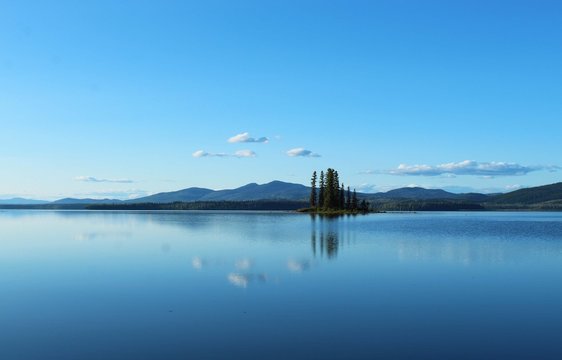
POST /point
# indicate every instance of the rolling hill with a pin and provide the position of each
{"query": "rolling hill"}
(418, 193)
(275, 190)
(21, 201)
(528, 196)
(185, 195)
(67, 201)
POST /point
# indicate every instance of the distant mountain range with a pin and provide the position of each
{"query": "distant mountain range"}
(279, 190)
(418, 193)
(275, 190)
(21, 201)
(542, 197)
(85, 201)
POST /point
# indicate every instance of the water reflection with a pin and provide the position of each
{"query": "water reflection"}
(241, 277)
(197, 263)
(294, 273)
(452, 251)
(95, 235)
(166, 248)
(325, 235)
(298, 265)
(244, 264)
(243, 280)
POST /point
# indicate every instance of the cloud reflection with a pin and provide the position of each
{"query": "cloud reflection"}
(197, 263)
(244, 264)
(240, 280)
(298, 265)
(243, 280)
(90, 236)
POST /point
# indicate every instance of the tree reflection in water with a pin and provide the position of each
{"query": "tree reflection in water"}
(324, 236)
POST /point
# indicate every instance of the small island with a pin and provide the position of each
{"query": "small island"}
(331, 198)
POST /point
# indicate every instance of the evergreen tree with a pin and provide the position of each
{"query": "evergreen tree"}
(342, 197)
(329, 197)
(313, 191)
(336, 200)
(364, 207)
(322, 190)
(348, 200)
(354, 202)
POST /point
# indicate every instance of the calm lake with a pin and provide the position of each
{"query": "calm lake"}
(238, 285)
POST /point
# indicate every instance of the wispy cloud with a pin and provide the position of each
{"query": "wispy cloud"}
(467, 167)
(202, 153)
(246, 138)
(99, 180)
(237, 154)
(245, 154)
(367, 188)
(302, 152)
(114, 194)
(368, 172)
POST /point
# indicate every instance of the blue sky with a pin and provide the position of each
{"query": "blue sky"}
(125, 98)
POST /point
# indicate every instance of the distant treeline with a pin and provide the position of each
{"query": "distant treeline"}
(452, 205)
(258, 205)
(427, 205)
(44, 207)
(290, 205)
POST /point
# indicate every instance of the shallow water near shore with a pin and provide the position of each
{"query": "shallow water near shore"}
(225, 285)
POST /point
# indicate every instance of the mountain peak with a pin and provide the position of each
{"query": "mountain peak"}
(274, 190)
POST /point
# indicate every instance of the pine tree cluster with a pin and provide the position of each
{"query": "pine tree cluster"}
(331, 195)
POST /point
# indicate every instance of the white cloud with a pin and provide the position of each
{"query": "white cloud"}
(244, 154)
(301, 152)
(114, 194)
(238, 154)
(450, 176)
(467, 167)
(513, 187)
(367, 188)
(98, 180)
(202, 153)
(245, 138)
(368, 172)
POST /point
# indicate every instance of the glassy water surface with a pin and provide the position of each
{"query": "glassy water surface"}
(233, 285)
